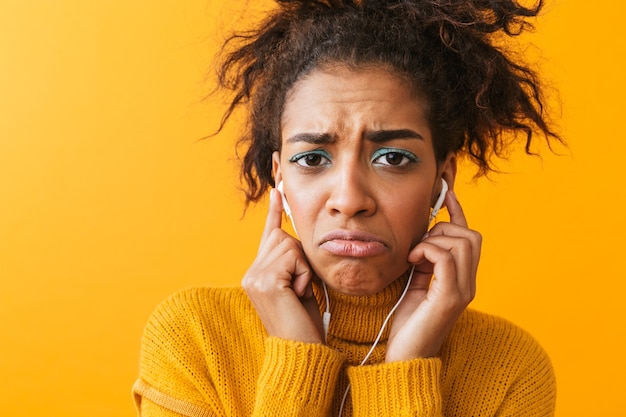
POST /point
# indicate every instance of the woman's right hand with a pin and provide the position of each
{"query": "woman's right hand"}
(279, 283)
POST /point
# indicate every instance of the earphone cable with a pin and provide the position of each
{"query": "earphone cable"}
(380, 334)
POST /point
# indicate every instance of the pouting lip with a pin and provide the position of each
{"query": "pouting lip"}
(356, 235)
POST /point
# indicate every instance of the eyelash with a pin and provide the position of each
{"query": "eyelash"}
(302, 155)
(300, 158)
(410, 156)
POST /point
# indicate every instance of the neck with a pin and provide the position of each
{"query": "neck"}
(359, 318)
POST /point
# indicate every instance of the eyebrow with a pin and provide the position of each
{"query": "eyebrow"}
(387, 135)
(313, 138)
(376, 136)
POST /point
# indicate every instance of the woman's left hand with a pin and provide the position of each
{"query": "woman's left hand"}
(443, 284)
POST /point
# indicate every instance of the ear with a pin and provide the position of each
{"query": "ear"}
(447, 169)
(276, 168)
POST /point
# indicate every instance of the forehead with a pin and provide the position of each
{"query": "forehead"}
(344, 98)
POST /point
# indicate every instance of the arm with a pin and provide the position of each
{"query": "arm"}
(533, 392)
(297, 379)
(403, 389)
(173, 373)
(196, 361)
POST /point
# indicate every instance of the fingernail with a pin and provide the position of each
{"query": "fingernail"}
(272, 192)
(425, 236)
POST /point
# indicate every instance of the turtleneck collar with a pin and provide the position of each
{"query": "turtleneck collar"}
(358, 319)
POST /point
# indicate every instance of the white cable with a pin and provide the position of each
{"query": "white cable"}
(440, 200)
(380, 334)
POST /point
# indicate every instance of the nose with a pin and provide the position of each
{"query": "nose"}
(351, 194)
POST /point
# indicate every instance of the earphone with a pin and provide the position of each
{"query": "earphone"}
(439, 202)
(286, 207)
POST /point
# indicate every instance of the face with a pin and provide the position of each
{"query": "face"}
(359, 173)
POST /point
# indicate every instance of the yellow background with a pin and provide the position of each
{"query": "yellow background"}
(109, 202)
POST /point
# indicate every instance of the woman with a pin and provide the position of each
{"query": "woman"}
(360, 110)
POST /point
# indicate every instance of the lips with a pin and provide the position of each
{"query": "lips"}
(355, 244)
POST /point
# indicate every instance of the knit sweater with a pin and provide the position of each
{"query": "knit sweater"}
(205, 352)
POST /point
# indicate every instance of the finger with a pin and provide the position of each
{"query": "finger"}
(466, 264)
(422, 276)
(310, 305)
(430, 257)
(454, 230)
(302, 275)
(455, 210)
(274, 215)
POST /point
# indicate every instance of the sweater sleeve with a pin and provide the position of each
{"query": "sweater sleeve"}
(204, 354)
(533, 392)
(492, 367)
(172, 373)
(297, 379)
(407, 388)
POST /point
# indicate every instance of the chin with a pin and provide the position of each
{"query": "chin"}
(356, 280)
(358, 292)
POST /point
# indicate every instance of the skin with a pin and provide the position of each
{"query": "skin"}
(360, 176)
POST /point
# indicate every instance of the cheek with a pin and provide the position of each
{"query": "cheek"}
(412, 227)
(410, 222)
(305, 208)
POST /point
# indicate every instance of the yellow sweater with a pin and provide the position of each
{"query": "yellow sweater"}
(205, 353)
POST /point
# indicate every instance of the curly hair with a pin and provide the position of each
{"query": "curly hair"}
(478, 97)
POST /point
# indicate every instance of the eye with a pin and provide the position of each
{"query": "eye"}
(311, 158)
(394, 157)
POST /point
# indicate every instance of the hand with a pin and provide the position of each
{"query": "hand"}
(443, 284)
(279, 283)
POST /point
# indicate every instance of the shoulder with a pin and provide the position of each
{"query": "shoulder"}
(194, 305)
(491, 332)
(202, 297)
(191, 326)
(502, 365)
(190, 339)
(483, 334)
(196, 316)
(487, 345)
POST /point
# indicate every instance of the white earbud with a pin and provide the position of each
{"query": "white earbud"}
(286, 207)
(439, 203)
